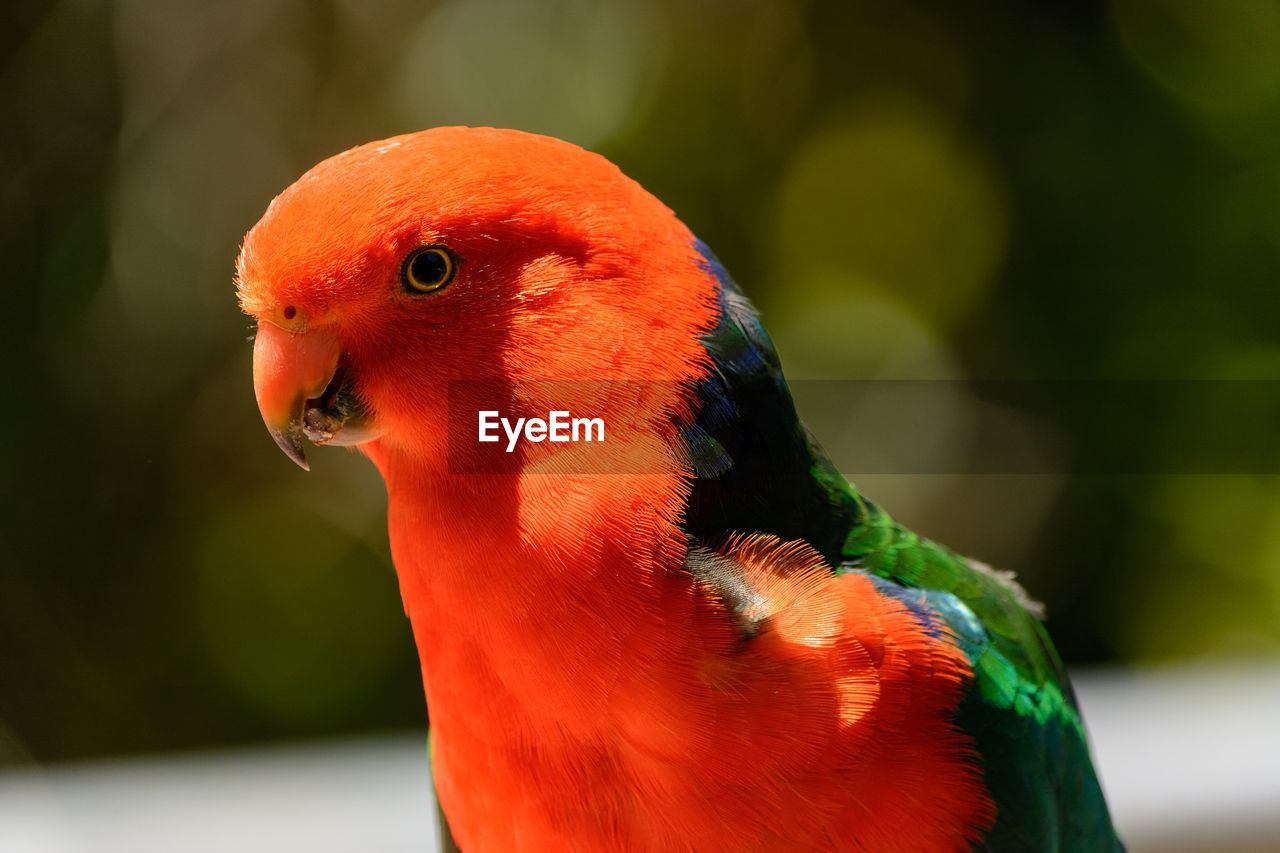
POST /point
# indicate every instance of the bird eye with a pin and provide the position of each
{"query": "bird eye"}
(426, 269)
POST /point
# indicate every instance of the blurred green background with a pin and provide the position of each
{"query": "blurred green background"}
(908, 189)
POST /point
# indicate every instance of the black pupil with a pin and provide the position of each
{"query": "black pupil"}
(429, 267)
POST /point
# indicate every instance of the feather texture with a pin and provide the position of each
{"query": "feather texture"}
(713, 643)
(1019, 708)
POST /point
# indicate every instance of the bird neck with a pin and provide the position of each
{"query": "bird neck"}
(503, 575)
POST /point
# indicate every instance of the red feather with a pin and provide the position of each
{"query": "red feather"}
(586, 690)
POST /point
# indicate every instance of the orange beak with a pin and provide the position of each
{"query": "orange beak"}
(292, 373)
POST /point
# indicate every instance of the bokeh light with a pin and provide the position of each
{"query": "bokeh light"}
(581, 70)
(887, 192)
(1217, 58)
(908, 190)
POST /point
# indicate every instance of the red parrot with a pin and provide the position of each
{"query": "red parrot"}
(686, 632)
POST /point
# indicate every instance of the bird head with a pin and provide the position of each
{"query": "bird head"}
(463, 261)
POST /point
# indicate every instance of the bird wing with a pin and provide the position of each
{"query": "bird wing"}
(757, 469)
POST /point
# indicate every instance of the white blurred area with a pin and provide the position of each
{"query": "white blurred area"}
(328, 797)
(1188, 756)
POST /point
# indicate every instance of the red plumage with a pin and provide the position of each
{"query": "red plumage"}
(586, 690)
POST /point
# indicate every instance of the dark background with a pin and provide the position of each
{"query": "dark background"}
(999, 190)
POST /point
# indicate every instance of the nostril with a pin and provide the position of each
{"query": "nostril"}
(290, 312)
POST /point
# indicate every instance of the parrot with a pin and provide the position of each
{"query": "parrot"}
(685, 631)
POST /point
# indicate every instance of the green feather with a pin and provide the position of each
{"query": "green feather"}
(772, 477)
